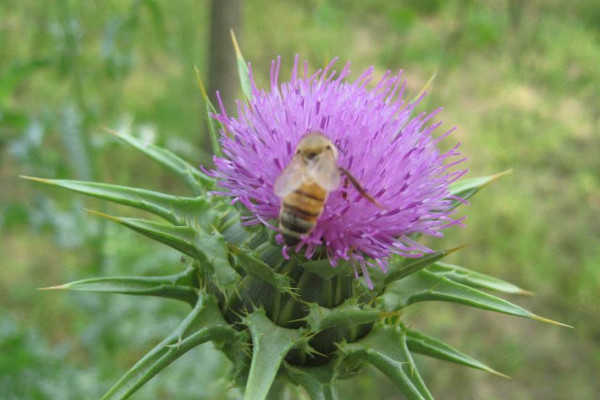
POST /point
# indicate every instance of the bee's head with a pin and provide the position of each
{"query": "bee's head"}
(314, 144)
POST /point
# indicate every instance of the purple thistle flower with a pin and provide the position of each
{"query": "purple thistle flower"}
(390, 152)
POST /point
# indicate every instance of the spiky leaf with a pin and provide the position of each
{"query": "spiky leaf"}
(256, 268)
(270, 344)
(210, 110)
(215, 255)
(466, 188)
(179, 286)
(427, 286)
(324, 269)
(210, 249)
(474, 279)
(420, 343)
(350, 312)
(182, 238)
(397, 271)
(191, 176)
(243, 72)
(317, 381)
(385, 348)
(232, 229)
(203, 324)
(174, 209)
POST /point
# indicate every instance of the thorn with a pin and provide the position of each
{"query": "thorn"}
(386, 314)
(101, 214)
(308, 335)
(411, 366)
(294, 293)
(493, 371)
(455, 249)
(326, 59)
(111, 131)
(424, 89)
(550, 321)
(237, 314)
(297, 319)
(223, 291)
(312, 351)
(175, 345)
(199, 79)
(41, 180)
(58, 287)
(525, 292)
(236, 291)
(238, 53)
(496, 177)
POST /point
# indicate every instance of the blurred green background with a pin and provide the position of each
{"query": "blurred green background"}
(520, 79)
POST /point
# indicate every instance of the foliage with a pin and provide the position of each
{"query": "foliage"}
(531, 95)
(246, 295)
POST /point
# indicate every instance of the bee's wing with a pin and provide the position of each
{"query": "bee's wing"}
(325, 171)
(291, 178)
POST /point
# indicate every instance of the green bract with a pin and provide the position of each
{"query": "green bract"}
(298, 320)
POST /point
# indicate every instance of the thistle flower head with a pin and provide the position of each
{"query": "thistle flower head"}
(392, 153)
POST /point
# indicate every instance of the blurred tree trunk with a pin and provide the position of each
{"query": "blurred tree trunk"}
(222, 68)
(516, 8)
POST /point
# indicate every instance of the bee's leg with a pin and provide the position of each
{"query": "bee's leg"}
(345, 190)
(359, 188)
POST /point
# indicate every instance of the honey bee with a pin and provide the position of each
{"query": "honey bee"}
(304, 184)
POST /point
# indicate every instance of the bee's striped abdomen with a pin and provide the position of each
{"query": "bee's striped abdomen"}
(300, 211)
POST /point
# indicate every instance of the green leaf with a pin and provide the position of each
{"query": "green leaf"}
(158, 16)
(420, 343)
(385, 348)
(209, 109)
(243, 72)
(179, 286)
(466, 188)
(215, 254)
(172, 208)
(203, 324)
(191, 176)
(256, 268)
(232, 229)
(324, 269)
(17, 73)
(347, 313)
(209, 248)
(413, 265)
(270, 344)
(182, 238)
(427, 286)
(425, 88)
(317, 381)
(474, 279)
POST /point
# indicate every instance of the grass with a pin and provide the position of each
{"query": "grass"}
(519, 79)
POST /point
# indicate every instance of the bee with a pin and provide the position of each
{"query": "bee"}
(304, 184)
